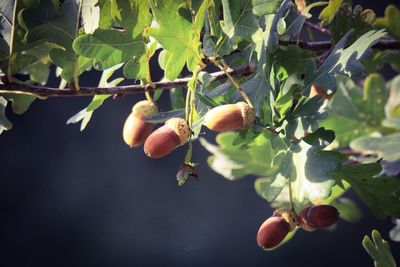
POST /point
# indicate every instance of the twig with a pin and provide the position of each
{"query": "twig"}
(46, 91)
(383, 44)
(317, 27)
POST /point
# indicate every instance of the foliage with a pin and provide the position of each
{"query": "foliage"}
(301, 138)
(379, 250)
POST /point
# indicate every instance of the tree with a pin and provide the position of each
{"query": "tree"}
(311, 118)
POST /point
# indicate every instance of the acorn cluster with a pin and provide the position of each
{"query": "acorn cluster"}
(176, 131)
(274, 230)
(230, 117)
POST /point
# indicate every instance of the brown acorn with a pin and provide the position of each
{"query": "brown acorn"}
(175, 132)
(230, 117)
(318, 90)
(136, 129)
(274, 230)
(315, 217)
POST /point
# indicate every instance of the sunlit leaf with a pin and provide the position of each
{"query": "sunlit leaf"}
(379, 250)
(329, 12)
(342, 60)
(386, 147)
(390, 21)
(5, 124)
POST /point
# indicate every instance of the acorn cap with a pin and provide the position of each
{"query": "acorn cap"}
(289, 215)
(181, 129)
(145, 108)
(248, 114)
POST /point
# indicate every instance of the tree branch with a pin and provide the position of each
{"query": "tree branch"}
(44, 91)
(383, 44)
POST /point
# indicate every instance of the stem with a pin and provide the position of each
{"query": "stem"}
(76, 71)
(317, 27)
(224, 68)
(9, 74)
(290, 195)
(149, 81)
(187, 101)
(45, 91)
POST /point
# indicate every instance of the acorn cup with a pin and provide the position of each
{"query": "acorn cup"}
(230, 117)
(136, 128)
(175, 132)
(274, 230)
(315, 217)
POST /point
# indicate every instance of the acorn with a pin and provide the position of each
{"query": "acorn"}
(230, 117)
(136, 128)
(315, 217)
(274, 230)
(318, 90)
(175, 132)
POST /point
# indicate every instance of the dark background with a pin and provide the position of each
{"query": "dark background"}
(85, 199)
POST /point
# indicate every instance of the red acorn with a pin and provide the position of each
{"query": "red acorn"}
(175, 132)
(320, 216)
(274, 230)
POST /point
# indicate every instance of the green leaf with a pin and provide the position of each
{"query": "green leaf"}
(348, 209)
(178, 36)
(133, 15)
(304, 118)
(176, 98)
(379, 250)
(329, 12)
(292, 58)
(139, 67)
(386, 147)
(257, 88)
(6, 18)
(381, 194)
(5, 124)
(108, 47)
(349, 114)
(355, 19)
(58, 25)
(375, 95)
(238, 155)
(86, 114)
(395, 232)
(162, 117)
(392, 107)
(342, 61)
(309, 169)
(265, 7)
(20, 103)
(105, 21)
(239, 20)
(273, 35)
(390, 21)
